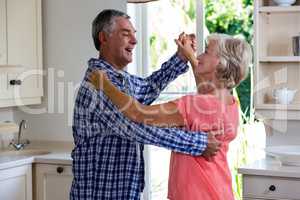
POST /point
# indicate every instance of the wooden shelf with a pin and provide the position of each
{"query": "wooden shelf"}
(295, 106)
(270, 9)
(11, 66)
(280, 59)
(275, 64)
(278, 111)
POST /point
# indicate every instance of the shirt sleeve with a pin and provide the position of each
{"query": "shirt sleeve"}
(105, 116)
(148, 89)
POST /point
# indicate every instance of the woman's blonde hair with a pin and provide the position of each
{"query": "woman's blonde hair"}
(235, 56)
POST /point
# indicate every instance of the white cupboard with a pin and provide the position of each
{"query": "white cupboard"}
(3, 46)
(16, 183)
(268, 187)
(20, 52)
(52, 181)
(275, 65)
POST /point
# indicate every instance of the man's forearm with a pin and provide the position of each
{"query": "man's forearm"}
(158, 80)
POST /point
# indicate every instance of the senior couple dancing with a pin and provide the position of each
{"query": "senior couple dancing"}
(114, 118)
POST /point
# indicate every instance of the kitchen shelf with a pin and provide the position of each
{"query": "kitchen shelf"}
(269, 9)
(275, 66)
(280, 59)
(288, 107)
(263, 113)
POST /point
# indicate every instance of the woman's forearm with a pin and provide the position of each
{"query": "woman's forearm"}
(193, 60)
(162, 115)
(125, 103)
(194, 63)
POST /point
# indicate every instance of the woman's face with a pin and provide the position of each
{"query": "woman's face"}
(208, 61)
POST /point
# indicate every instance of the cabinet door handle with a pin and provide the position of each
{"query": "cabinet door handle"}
(15, 82)
(272, 188)
(60, 170)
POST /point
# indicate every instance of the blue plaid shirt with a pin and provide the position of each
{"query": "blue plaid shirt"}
(108, 161)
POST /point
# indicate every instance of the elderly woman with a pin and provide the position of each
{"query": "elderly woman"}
(217, 71)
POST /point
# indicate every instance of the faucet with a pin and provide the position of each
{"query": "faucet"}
(19, 144)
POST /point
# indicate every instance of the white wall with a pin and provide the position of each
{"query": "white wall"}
(6, 114)
(67, 46)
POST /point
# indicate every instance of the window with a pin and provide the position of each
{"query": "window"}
(155, 45)
(155, 36)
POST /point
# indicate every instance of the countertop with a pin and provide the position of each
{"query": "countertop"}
(270, 167)
(59, 153)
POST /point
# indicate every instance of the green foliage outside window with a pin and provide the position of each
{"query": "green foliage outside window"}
(233, 17)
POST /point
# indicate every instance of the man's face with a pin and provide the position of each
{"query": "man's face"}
(121, 42)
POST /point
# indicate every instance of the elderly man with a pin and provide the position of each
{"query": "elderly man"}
(108, 161)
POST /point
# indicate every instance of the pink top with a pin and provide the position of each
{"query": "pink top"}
(193, 178)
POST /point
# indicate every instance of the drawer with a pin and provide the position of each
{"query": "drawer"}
(271, 187)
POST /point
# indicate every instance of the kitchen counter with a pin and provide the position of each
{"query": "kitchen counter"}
(270, 167)
(59, 153)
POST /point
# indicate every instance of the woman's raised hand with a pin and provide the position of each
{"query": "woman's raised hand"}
(186, 45)
(192, 37)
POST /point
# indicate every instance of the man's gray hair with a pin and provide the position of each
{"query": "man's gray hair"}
(105, 22)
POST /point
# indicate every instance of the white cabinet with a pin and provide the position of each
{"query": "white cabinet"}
(52, 181)
(275, 65)
(20, 52)
(268, 187)
(3, 47)
(16, 183)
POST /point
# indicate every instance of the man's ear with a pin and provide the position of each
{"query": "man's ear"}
(103, 37)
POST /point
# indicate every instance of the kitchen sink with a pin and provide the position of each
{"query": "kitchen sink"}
(24, 152)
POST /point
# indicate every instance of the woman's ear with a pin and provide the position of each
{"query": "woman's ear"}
(217, 62)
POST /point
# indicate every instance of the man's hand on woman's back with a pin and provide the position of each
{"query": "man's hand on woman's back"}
(213, 146)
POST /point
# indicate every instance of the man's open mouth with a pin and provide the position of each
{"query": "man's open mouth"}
(129, 50)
